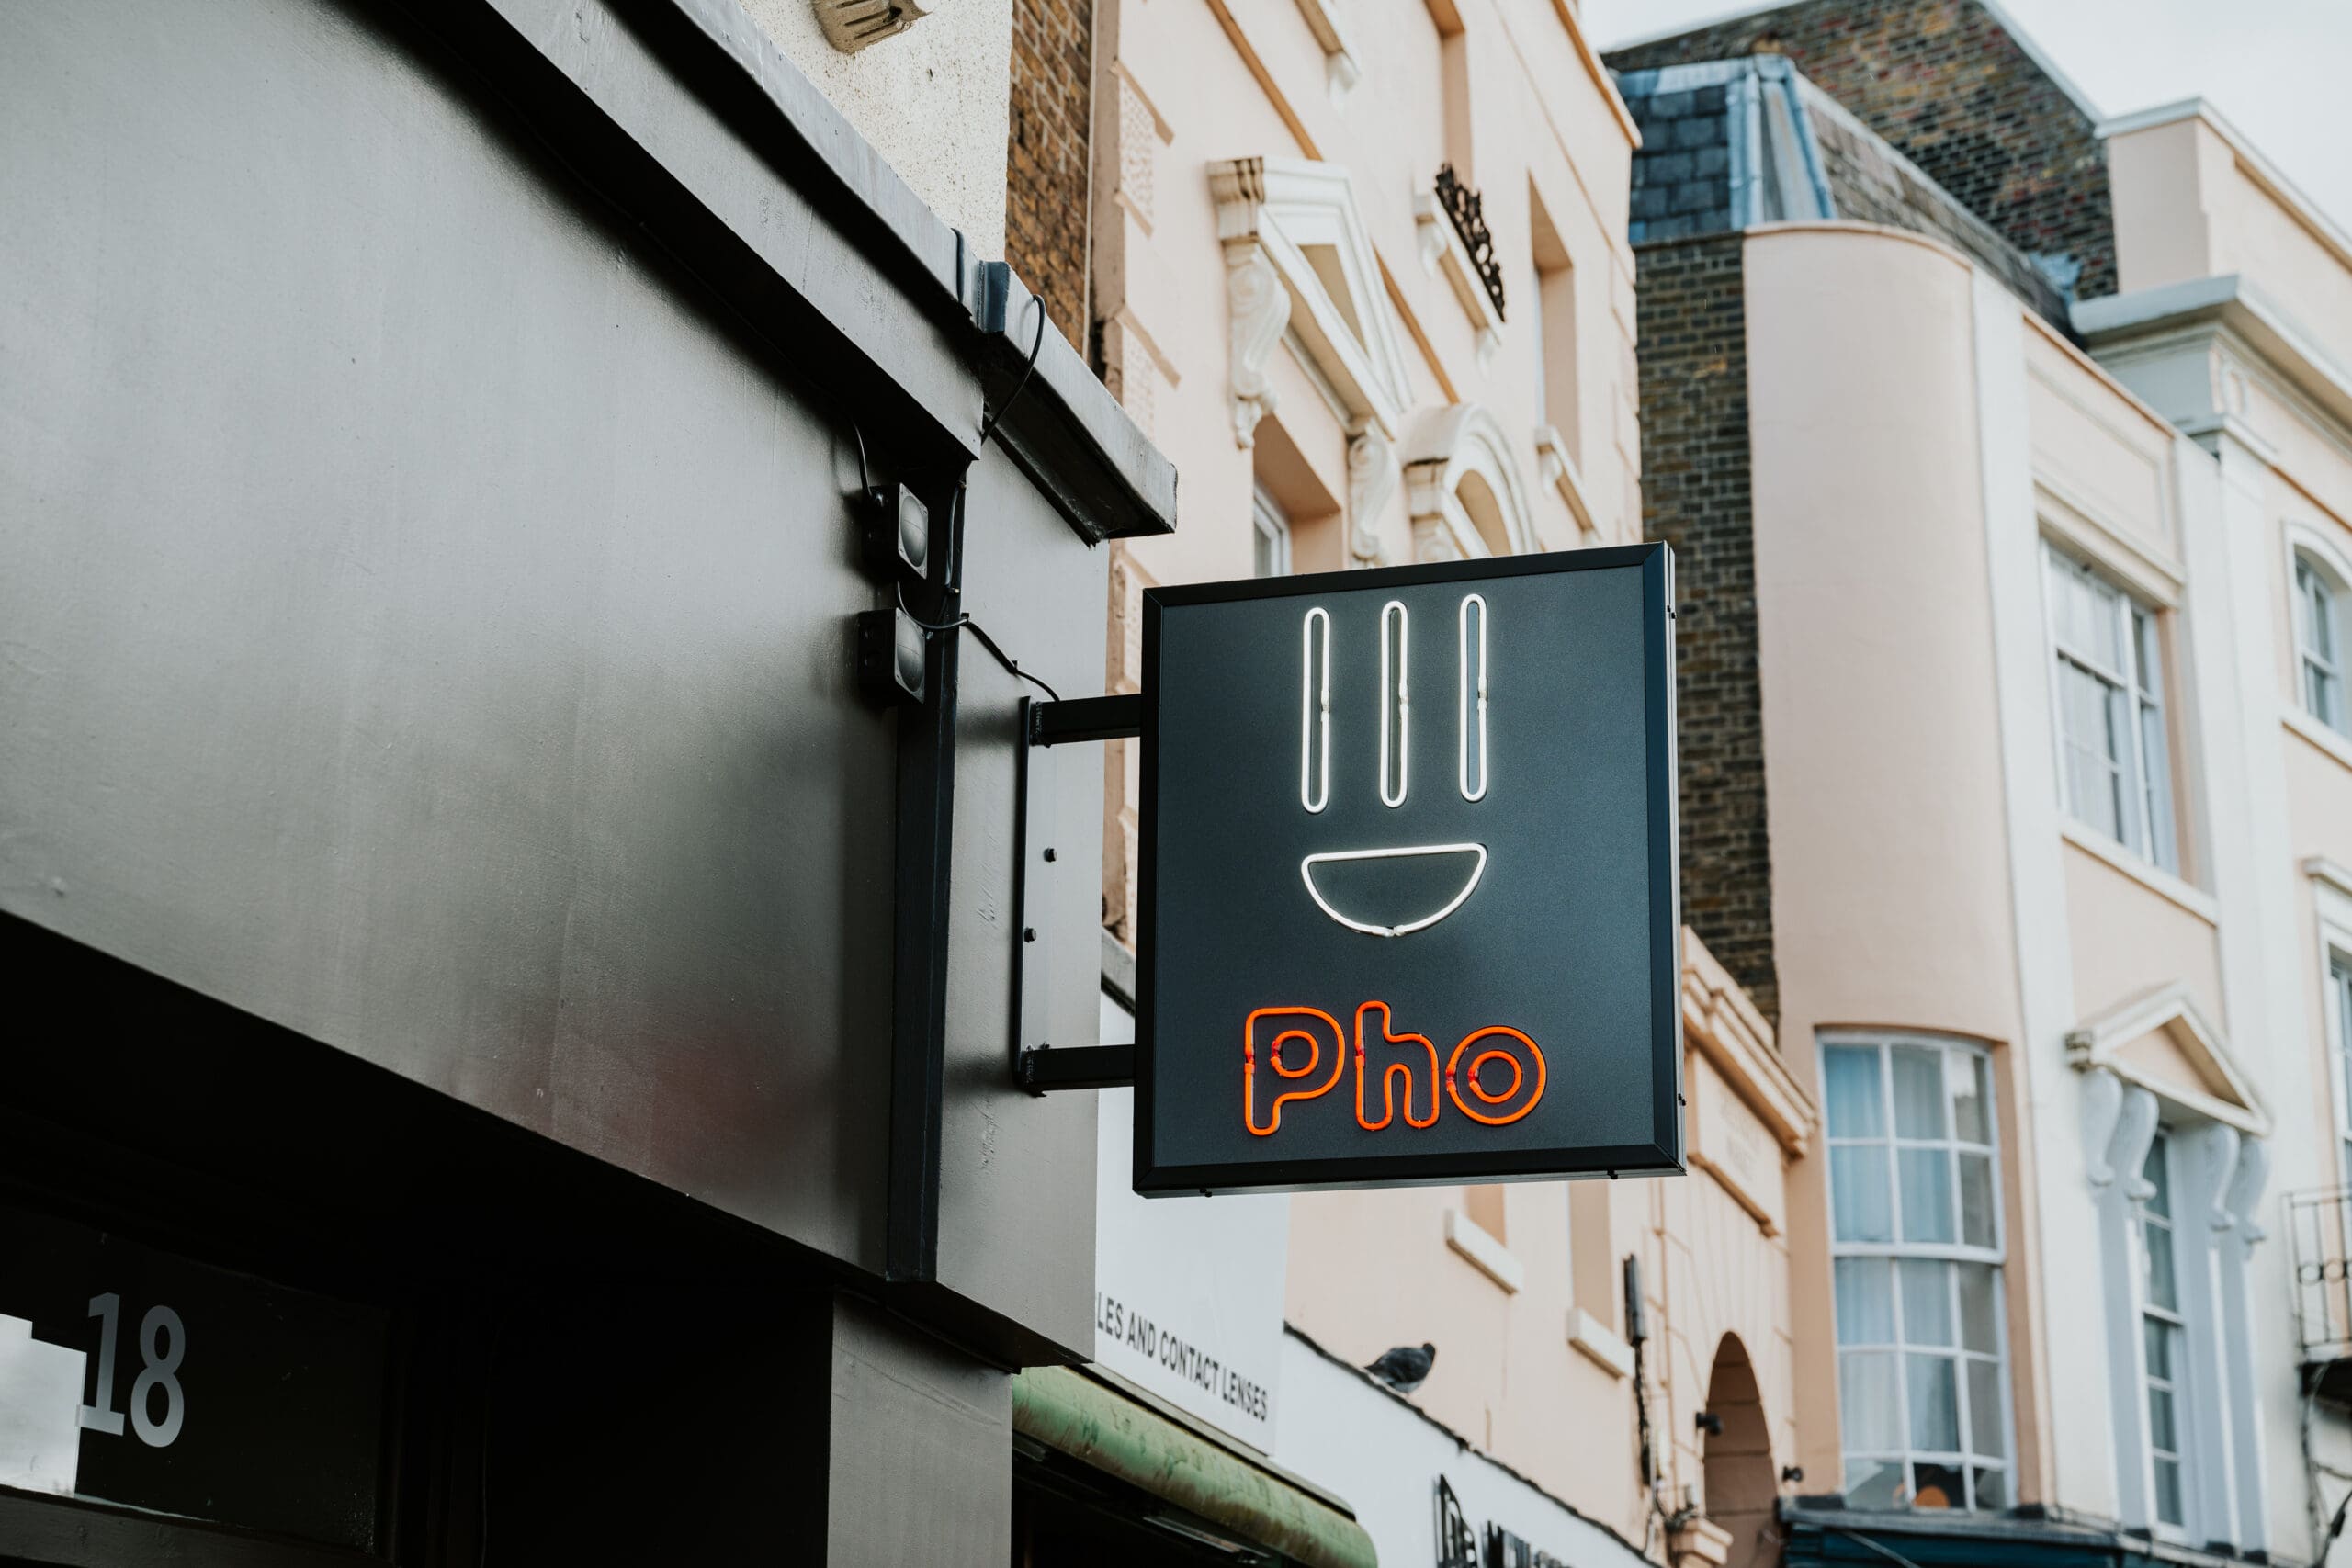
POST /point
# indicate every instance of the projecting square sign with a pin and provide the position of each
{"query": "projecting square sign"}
(1408, 909)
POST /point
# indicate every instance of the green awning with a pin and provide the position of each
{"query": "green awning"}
(1073, 1414)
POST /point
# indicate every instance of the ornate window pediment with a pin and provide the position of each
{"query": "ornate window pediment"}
(1463, 486)
(1299, 263)
(2162, 1042)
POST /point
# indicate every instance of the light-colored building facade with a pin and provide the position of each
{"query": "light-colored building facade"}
(2047, 790)
(1361, 271)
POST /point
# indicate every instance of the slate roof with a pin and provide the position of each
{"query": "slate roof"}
(1728, 145)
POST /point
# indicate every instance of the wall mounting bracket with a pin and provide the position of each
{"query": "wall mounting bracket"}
(1036, 1064)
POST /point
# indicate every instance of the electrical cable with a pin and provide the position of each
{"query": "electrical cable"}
(965, 622)
(987, 425)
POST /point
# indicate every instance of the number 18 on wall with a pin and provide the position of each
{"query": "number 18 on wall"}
(163, 1343)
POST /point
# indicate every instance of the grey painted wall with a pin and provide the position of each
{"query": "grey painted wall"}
(425, 622)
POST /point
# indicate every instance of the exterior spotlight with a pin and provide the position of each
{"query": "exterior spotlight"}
(895, 528)
(889, 656)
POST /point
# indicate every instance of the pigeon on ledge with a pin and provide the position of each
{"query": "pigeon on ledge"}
(1404, 1368)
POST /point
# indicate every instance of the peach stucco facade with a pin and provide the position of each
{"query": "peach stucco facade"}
(1291, 312)
(1930, 458)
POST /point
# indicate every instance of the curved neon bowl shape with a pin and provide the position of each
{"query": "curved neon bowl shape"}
(1307, 874)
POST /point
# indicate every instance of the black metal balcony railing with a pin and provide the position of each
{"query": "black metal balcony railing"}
(2319, 1229)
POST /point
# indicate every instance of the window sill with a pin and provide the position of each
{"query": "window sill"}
(2154, 878)
(2333, 742)
(1479, 1249)
(1599, 1343)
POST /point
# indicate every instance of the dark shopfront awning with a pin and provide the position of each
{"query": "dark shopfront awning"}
(1087, 1421)
(1834, 1537)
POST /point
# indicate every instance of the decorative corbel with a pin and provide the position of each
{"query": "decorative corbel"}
(2245, 1187)
(2218, 1147)
(2135, 1129)
(1371, 479)
(1433, 540)
(1259, 308)
(2102, 1105)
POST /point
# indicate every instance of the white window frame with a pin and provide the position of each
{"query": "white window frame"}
(2147, 813)
(2321, 626)
(2172, 1323)
(1897, 1251)
(1270, 535)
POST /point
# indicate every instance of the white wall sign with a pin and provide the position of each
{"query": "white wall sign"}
(1188, 1292)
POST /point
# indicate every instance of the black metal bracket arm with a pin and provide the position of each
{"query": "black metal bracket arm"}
(1115, 717)
(1077, 1066)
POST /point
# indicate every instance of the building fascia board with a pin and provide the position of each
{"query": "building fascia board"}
(2229, 301)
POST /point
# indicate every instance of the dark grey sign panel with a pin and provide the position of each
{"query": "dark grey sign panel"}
(1408, 904)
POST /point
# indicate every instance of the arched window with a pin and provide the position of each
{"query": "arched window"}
(2320, 636)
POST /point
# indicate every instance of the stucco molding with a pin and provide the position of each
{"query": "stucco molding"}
(1342, 70)
(1484, 1251)
(1445, 447)
(2099, 1042)
(1373, 477)
(1555, 467)
(1443, 254)
(1726, 1028)
(1275, 216)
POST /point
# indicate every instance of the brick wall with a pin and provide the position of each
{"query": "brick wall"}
(1695, 496)
(1045, 166)
(1946, 84)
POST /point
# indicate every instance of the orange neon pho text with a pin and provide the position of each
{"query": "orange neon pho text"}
(1500, 1069)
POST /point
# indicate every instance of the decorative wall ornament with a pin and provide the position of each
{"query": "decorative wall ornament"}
(853, 24)
(1371, 479)
(1340, 70)
(2245, 1187)
(1555, 467)
(2135, 1129)
(1259, 308)
(1467, 211)
(1452, 229)
(2102, 1107)
(1462, 487)
(2117, 1039)
(2217, 1148)
(1298, 219)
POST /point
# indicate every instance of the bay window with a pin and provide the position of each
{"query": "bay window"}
(1917, 1251)
(2113, 752)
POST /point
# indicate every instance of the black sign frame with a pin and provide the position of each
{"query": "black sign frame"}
(1663, 1155)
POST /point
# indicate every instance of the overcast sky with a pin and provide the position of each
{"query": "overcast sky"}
(2279, 70)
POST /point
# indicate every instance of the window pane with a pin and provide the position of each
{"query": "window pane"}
(2150, 652)
(1926, 1301)
(2158, 1253)
(1935, 1403)
(1937, 1486)
(2162, 1434)
(1868, 1405)
(1859, 1193)
(1985, 1409)
(2167, 1480)
(1976, 1199)
(1918, 1091)
(1873, 1483)
(1980, 1306)
(2158, 1336)
(1969, 1083)
(1851, 1075)
(2156, 1171)
(1926, 1194)
(1991, 1489)
(2157, 808)
(1865, 1301)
